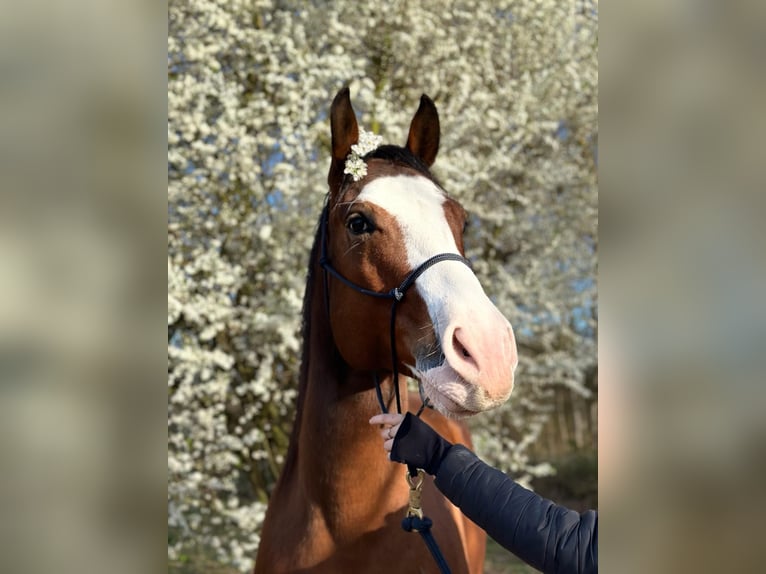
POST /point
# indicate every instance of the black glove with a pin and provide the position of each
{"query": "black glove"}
(418, 445)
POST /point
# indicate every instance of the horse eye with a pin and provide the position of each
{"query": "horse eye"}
(359, 224)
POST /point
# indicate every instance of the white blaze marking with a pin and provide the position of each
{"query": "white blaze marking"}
(449, 288)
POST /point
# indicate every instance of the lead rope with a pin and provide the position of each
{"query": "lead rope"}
(414, 521)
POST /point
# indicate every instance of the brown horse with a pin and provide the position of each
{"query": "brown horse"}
(339, 501)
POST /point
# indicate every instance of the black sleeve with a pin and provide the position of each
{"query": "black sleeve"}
(549, 537)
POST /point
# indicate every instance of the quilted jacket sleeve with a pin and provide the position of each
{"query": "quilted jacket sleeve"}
(549, 537)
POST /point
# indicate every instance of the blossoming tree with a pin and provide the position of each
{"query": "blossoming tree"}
(249, 87)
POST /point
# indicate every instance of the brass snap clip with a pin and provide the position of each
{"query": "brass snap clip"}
(416, 487)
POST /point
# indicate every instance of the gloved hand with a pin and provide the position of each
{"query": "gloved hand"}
(418, 445)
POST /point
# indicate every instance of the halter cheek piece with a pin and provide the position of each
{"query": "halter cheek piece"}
(395, 295)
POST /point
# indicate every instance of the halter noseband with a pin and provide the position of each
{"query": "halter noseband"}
(395, 295)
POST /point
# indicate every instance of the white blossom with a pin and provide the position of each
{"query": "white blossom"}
(355, 165)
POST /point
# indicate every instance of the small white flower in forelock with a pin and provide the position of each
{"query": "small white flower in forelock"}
(355, 165)
(368, 142)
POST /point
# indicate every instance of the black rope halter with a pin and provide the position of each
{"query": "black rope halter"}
(395, 295)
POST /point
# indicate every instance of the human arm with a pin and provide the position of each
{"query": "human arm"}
(547, 536)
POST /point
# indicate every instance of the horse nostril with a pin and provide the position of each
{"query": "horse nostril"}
(460, 348)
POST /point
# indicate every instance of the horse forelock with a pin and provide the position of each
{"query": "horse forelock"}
(385, 160)
(397, 155)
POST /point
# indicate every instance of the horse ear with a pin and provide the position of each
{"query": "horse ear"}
(423, 140)
(345, 133)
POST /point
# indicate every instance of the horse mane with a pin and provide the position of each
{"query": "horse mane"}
(292, 452)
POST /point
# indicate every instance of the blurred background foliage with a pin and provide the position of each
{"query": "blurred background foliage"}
(249, 89)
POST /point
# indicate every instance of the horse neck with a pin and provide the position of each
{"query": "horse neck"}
(340, 458)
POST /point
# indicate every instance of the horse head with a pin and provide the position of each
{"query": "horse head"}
(384, 221)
